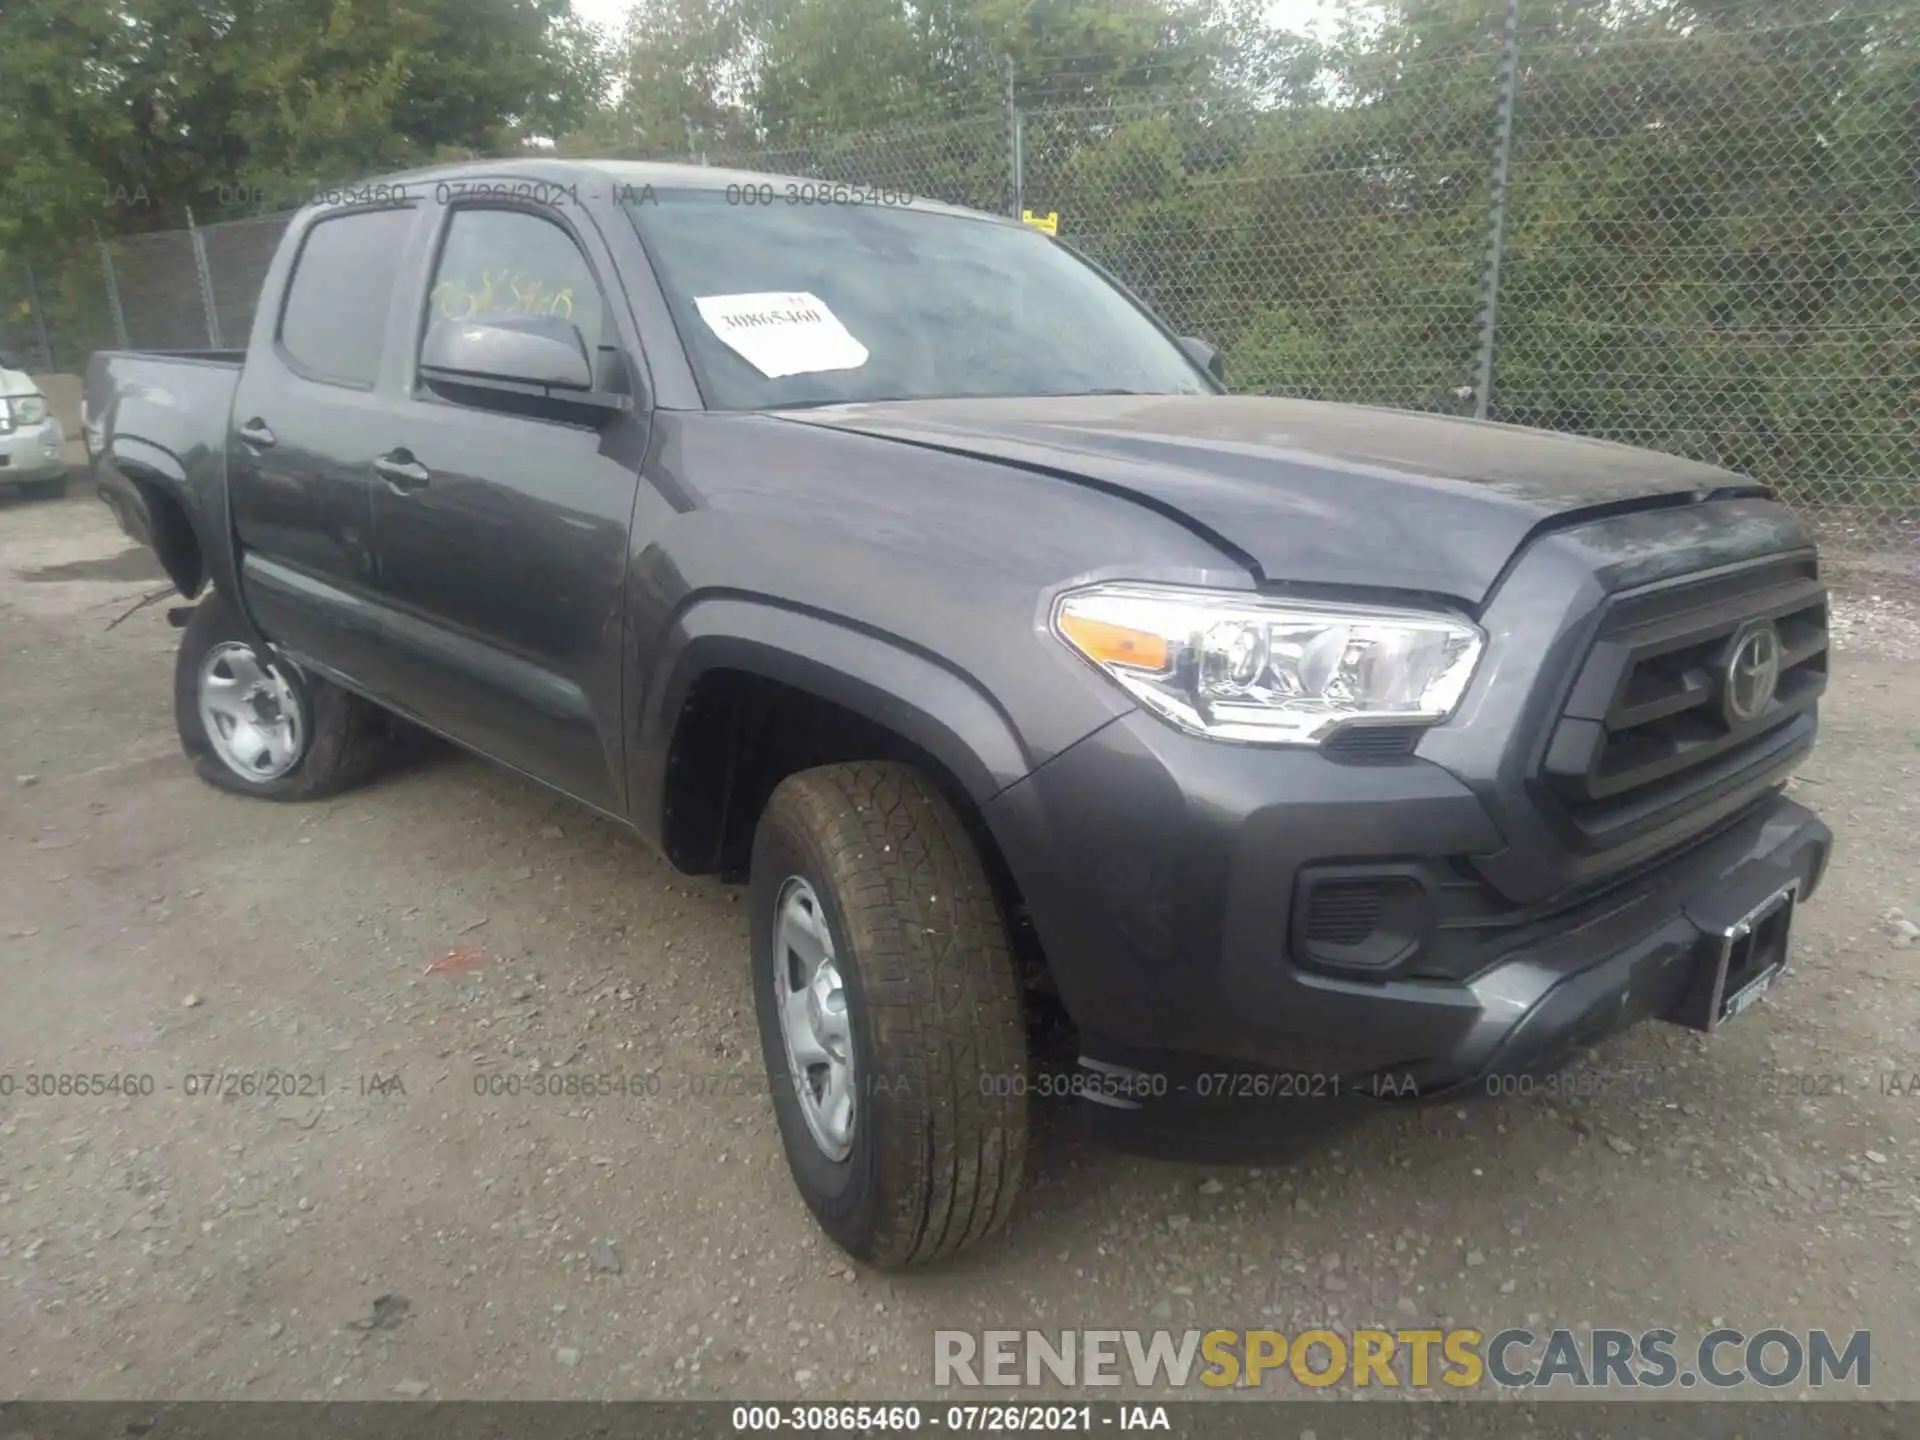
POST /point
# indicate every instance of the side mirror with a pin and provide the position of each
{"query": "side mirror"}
(540, 350)
(1208, 358)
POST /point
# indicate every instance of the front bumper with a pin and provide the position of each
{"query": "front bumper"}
(32, 453)
(1159, 870)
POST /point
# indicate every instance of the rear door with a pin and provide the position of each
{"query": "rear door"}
(308, 420)
(502, 526)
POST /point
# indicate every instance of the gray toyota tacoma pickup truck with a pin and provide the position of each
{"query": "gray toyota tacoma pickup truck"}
(1267, 758)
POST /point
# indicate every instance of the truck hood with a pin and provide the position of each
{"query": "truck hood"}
(1306, 492)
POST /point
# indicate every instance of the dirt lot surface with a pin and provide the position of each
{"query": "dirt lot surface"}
(401, 1233)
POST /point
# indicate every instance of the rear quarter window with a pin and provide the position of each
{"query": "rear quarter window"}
(334, 322)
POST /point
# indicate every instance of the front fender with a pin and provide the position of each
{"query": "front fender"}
(911, 693)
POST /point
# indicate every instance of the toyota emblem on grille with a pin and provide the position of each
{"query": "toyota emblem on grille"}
(1752, 674)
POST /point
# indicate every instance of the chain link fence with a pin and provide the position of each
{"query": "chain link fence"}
(1337, 262)
(189, 289)
(238, 253)
(157, 282)
(963, 162)
(1692, 229)
(1713, 248)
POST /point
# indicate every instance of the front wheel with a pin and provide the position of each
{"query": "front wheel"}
(890, 1013)
(255, 724)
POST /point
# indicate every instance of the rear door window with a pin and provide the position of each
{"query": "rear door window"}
(334, 323)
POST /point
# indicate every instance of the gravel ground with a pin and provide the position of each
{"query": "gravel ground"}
(403, 1234)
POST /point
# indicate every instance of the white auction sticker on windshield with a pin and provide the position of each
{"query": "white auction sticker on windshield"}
(782, 332)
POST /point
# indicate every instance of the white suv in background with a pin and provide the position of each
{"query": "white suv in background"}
(33, 448)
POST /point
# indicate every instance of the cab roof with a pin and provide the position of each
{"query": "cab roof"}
(634, 174)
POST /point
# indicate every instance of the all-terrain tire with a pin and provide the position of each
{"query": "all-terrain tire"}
(934, 1003)
(342, 737)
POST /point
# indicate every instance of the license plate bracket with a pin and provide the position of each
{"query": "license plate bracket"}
(1741, 963)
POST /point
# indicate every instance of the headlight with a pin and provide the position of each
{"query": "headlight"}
(1277, 672)
(28, 409)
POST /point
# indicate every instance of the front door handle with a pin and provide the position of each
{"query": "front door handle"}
(401, 471)
(256, 434)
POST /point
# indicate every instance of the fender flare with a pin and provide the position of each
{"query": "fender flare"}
(130, 471)
(937, 708)
(146, 487)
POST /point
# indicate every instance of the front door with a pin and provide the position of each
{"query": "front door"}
(501, 530)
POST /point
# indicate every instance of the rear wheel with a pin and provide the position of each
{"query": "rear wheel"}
(890, 1014)
(255, 724)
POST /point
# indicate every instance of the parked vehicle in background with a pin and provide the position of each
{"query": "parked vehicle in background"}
(33, 447)
(1293, 757)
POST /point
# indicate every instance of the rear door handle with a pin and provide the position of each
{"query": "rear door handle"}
(256, 434)
(401, 471)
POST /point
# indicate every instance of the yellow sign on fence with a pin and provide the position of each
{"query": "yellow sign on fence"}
(1049, 222)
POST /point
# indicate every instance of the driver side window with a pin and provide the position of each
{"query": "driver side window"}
(508, 264)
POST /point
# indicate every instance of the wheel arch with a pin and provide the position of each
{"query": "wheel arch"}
(146, 489)
(732, 648)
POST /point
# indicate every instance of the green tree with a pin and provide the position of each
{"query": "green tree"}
(120, 114)
(778, 72)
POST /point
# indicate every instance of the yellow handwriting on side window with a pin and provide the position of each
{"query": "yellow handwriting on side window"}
(501, 293)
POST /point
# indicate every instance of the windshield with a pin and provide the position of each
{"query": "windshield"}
(797, 304)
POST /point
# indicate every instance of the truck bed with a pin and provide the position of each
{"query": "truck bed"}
(234, 358)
